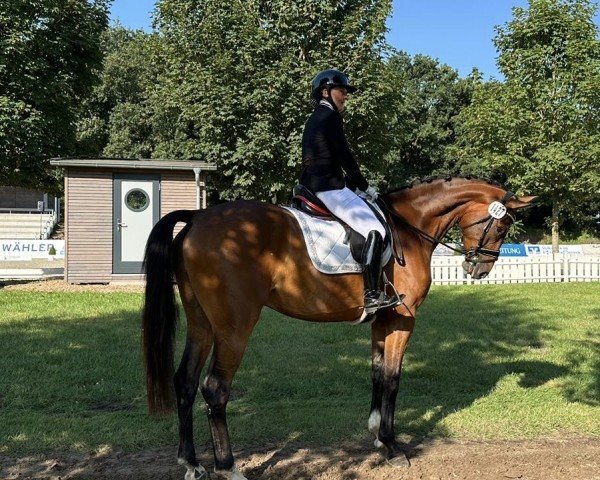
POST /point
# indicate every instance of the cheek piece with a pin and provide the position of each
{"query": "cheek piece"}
(496, 211)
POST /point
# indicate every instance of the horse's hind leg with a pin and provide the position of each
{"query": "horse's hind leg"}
(197, 347)
(227, 356)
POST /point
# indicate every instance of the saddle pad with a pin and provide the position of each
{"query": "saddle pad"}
(325, 243)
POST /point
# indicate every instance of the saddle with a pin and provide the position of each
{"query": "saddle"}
(304, 200)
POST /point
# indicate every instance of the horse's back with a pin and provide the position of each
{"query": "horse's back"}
(243, 222)
(241, 240)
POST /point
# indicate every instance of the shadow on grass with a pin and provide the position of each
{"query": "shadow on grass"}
(77, 384)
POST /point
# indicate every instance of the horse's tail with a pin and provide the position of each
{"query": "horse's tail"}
(160, 312)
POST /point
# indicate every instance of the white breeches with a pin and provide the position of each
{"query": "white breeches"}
(351, 209)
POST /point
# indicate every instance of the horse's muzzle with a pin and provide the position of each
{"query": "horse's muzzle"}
(477, 271)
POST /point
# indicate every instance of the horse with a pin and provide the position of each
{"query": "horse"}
(232, 259)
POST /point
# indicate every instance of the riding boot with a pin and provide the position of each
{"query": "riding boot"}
(375, 298)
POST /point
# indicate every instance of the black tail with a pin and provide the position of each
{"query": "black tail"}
(160, 313)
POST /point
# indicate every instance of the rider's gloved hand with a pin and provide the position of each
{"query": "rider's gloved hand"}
(372, 193)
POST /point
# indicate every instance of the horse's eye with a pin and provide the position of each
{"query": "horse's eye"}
(501, 230)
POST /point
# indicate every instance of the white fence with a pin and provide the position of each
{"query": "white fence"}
(560, 268)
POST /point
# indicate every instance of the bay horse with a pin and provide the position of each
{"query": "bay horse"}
(231, 260)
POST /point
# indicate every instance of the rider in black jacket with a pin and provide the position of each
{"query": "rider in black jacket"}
(329, 169)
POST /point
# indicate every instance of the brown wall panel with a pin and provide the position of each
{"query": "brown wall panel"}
(88, 216)
(178, 192)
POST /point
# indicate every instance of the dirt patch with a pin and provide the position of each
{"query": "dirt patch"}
(62, 286)
(570, 458)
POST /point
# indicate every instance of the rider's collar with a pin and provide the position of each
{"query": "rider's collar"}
(325, 103)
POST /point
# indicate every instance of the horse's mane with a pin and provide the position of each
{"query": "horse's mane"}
(446, 178)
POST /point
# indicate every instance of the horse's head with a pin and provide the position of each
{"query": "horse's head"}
(484, 226)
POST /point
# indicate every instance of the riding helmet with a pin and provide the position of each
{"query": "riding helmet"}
(329, 79)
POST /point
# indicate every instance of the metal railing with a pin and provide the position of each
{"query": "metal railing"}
(27, 210)
(46, 227)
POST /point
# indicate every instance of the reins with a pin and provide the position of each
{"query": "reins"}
(471, 255)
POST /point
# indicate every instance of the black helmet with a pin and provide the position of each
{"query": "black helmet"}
(329, 79)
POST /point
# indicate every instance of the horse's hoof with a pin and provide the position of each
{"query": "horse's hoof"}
(196, 473)
(399, 461)
(378, 444)
(233, 474)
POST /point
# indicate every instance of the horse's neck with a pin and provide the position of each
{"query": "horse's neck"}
(435, 208)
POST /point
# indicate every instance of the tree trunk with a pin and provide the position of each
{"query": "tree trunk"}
(555, 211)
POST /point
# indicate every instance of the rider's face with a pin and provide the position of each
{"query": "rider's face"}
(339, 95)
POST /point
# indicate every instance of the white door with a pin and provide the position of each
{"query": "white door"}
(136, 207)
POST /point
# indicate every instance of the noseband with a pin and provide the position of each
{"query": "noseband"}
(496, 210)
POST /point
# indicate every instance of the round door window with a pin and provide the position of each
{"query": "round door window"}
(137, 200)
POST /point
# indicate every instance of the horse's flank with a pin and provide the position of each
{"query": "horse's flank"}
(268, 238)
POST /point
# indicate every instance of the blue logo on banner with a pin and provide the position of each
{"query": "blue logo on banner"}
(513, 250)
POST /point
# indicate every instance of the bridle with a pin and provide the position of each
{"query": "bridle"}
(472, 255)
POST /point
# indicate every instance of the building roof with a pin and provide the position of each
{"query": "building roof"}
(133, 163)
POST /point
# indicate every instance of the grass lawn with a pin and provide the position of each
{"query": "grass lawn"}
(485, 362)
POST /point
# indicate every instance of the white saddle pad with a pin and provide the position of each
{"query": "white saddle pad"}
(325, 241)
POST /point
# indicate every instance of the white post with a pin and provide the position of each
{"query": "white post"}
(203, 187)
(197, 177)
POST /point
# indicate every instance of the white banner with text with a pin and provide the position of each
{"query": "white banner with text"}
(29, 249)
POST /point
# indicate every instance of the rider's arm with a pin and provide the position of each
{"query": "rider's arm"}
(341, 150)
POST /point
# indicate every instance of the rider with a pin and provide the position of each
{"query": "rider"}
(325, 157)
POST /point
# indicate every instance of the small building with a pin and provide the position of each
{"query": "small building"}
(111, 206)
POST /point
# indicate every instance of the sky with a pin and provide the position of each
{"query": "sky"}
(458, 33)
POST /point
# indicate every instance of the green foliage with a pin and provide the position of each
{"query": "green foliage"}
(48, 50)
(236, 79)
(541, 127)
(114, 119)
(423, 101)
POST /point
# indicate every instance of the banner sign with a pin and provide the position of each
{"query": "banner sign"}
(28, 249)
(591, 249)
(547, 249)
(513, 250)
(527, 250)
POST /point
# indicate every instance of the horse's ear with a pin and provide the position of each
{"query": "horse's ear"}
(517, 203)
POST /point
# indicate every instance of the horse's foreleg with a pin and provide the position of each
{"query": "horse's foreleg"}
(378, 332)
(398, 331)
(197, 347)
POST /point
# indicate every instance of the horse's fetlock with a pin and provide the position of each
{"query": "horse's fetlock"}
(223, 465)
(385, 437)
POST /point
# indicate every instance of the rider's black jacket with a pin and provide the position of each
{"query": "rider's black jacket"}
(326, 155)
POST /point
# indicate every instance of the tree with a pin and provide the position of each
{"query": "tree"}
(48, 52)
(236, 84)
(116, 121)
(541, 126)
(425, 101)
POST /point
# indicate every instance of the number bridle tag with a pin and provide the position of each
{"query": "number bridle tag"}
(497, 210)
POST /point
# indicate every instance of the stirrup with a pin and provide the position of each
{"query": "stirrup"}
(399, 296)
(382, 301)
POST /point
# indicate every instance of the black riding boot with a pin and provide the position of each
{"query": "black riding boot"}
(375, 298)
